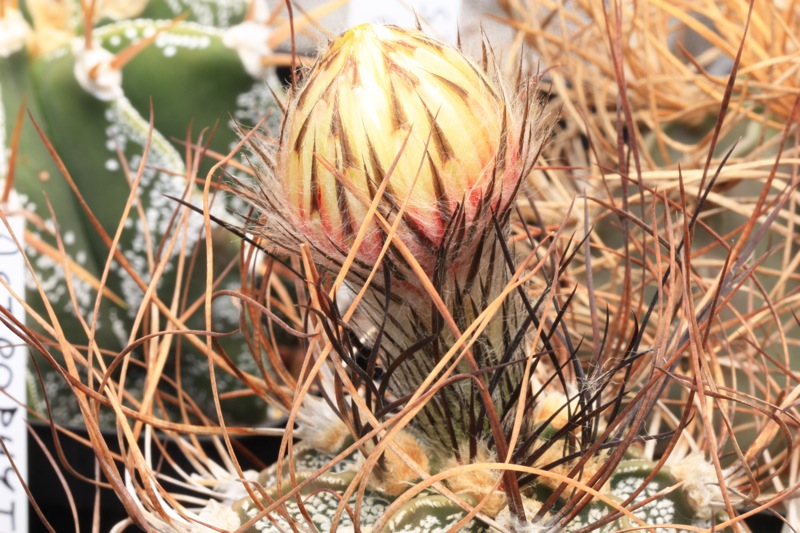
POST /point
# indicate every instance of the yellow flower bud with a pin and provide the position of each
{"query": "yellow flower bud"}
(374, 89)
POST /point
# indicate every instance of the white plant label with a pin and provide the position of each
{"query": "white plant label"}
(439, 18)
(13, 366)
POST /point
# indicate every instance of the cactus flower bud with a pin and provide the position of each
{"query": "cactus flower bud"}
(374, 89)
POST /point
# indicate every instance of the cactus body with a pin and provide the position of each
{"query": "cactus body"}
(431, 511)
(192, 78)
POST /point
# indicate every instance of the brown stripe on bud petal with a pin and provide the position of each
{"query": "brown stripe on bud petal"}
(313, 181)
(301, 98)
(439, 139)
(430, 43)
(399, 118)
(419, 234)
(475, 265)
(339, 133)
(491, 190)
(458, 226)
(301, 134)
(401, 74)
(372, 186)
(471, 231)
(502, 147)
(346, 217)
(304, 93)
(455, 88)
(378, 172)
(324, 63)
(438, 186)
(395, 46)
(481, 75)
(352, 71)
(442, 202)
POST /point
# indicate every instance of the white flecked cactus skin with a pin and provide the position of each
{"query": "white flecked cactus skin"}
(94, 110)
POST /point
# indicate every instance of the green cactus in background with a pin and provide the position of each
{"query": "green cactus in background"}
(90, 92)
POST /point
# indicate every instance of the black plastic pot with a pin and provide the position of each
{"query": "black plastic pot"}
(47, 490)
(765, 522)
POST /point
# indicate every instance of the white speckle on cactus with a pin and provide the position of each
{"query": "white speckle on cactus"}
(51, 279)
(219, 13)
(187, 35)
(308, 459)
(128, 131)
(54, 285)
(95, 73)
(118, 326)
(112, 165)
(181, 40)
(68, 237)
(115, 40)
(250, 40)
(24, 200)
(596, 514)
(53, 388)
(428, 513)
(321, 507)
(251, 106)
(254, 103)
(657, 512)
(226, 309)
(13, 32)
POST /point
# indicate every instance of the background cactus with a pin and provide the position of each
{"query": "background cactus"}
(633, 323)
(91, 97)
